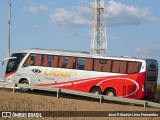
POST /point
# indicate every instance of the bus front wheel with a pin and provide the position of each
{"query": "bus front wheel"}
(110, 92)
(26, 83)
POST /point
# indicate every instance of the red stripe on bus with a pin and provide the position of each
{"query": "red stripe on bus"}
(8, 74)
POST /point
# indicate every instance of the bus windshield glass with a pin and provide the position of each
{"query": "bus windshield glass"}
(14, 63)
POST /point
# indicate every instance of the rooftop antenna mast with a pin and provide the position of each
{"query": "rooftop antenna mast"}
(99, 37)
(9, 26)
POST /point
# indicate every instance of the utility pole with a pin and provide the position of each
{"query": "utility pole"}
(9, 26)
(99, 37)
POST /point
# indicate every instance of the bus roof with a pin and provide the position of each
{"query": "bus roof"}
(76, 54)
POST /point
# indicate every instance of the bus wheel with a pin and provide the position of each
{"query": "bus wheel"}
(110, 92)
(24, 82)
(95, 90)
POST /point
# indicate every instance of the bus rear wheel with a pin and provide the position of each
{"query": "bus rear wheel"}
(26, 83)
(110, 92)
(95, 90)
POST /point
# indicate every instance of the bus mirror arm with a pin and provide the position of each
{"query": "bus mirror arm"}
(2, 62)
(8, 59)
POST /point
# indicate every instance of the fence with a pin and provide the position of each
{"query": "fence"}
(84, 94)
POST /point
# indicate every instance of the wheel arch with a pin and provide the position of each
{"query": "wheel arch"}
(24, 79)
(95, 87)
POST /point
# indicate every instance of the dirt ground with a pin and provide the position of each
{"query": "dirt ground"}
(40, 102)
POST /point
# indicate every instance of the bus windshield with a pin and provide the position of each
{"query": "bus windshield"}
(14, 63)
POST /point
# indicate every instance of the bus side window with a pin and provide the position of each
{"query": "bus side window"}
(81, 63)
(71, 63)
(38, 60)
(30, 60)
(89, 64)
(133, 67)
(27, 62)
(55, 61)
(107, 66)
(123, 67)
(50, 58)
(45, 61)
(63, 62)
(33, 58)
(97, 65)
(119, 66)
(115, 66)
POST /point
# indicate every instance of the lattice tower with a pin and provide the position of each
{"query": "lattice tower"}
(99, 37)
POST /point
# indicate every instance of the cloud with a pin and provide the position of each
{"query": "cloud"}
(139, 51)
(85, 2)
(117, 14)
(152, 50)
(36, 9)
(121, 14)
(76, 16)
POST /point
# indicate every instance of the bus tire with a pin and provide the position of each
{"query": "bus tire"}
(95, 90)
(110, 92)
(24, 82)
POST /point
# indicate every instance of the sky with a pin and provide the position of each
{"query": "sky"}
(132, 26)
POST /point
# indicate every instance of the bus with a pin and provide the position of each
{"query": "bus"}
(127, 77)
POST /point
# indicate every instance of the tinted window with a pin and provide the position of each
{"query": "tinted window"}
(14, 63)
(133, 67)
(106, 65)
(63, 62)
(41, 60)
(71, 63)
(89, 63)
(45, 61)
(102, 65)
(31, 60)
(55, 61)
(50, 58)
(97, 65)
(81, 63)
(119, 66)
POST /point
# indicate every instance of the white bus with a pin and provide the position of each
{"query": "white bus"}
(113, 76)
